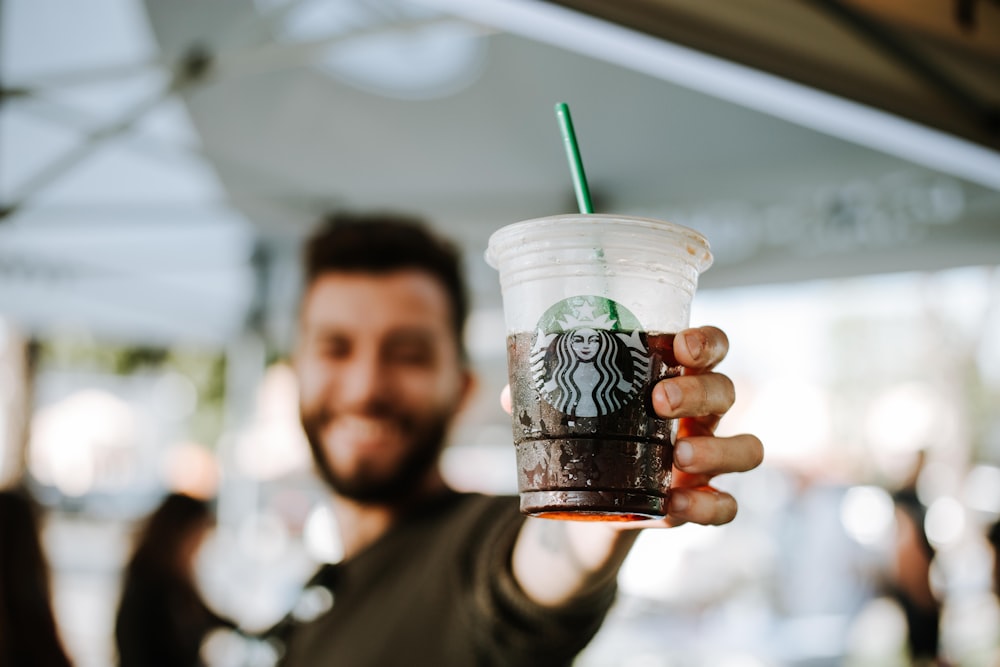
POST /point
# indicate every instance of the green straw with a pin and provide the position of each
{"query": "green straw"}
(573, 155)
(580, 181)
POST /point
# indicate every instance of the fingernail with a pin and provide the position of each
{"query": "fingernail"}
(679, 502)
(693, 342)
(673, 393)
(683, 453)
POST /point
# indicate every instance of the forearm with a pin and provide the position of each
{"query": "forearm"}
(557, 561)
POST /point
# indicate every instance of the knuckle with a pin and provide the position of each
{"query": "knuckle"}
(713, 455)
(704, 395)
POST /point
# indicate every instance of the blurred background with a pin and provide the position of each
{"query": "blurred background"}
(160, 163)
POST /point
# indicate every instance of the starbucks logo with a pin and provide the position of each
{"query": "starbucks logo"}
(588, 357)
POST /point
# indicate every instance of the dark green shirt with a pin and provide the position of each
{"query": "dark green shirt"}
(437, 590)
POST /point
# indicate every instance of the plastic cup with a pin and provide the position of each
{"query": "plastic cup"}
(592, 304)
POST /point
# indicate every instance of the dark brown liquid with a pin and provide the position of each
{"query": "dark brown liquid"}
(611, 467)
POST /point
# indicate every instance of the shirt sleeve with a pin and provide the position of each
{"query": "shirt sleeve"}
(513, 626)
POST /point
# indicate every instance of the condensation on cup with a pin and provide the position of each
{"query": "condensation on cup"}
(592, 304)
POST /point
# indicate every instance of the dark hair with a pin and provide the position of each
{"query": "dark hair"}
(993, 535)
(161, 617)
(387, 242)
(165, 533)
(28, 631)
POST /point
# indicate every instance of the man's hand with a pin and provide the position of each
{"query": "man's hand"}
(698, 399)
(557, 561)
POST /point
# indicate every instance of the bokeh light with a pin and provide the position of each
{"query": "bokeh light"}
(867, 514)
(901, 419)
(945, 521)
(81, 441)
(191, 468)
(273, 444)
(793, 417)
(322, 541)
(982, 489)
(263, 536)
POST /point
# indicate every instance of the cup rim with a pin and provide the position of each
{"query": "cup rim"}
(502, 236)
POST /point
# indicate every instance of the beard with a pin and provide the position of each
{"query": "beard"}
(400, 481)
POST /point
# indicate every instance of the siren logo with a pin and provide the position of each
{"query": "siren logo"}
(588, 357)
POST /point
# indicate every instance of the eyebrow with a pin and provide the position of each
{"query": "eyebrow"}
(411, 335)
(400, 334)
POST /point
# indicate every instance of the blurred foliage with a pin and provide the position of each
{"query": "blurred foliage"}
(204, 367)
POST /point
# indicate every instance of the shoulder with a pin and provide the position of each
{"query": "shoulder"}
(485, 525)
(477, 514)
(480, 503)
(468, 523)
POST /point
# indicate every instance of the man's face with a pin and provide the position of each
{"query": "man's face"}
(380, 378)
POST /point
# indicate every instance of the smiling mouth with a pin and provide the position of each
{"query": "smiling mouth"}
(363, 431)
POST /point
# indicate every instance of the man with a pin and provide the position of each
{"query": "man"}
(431, 576)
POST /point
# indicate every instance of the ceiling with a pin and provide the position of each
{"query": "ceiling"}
(161, 161)
(934, 62)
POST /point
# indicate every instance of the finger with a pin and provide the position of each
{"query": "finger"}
(505, 399)
(712, 456)
(705, 505)
(693, 395)
(700, 349)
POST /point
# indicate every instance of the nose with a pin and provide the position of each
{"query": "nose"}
(363, 383)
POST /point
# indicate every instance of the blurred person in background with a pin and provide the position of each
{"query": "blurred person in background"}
(162, 619)
(431, 576)
(29, 635)
(909, 583)
(993, 536)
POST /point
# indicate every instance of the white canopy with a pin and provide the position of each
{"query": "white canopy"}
(162, 161)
